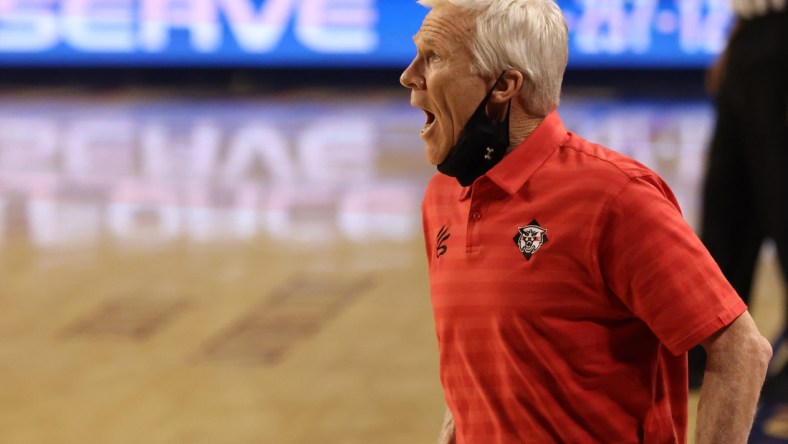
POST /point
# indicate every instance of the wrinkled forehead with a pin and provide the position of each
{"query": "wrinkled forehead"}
(446, 26)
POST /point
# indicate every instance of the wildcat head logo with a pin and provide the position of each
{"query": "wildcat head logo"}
(530, 238)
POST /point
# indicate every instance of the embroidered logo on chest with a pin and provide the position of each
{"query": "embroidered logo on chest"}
(530, 238)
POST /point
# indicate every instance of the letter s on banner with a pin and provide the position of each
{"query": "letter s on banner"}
(99, 25)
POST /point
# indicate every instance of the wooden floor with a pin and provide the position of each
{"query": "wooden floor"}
(206, 270)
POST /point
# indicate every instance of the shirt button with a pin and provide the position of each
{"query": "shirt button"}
(476, 215)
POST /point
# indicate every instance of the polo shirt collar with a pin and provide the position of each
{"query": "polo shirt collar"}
(517, 167)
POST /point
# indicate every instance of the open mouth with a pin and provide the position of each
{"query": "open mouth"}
(430, 121)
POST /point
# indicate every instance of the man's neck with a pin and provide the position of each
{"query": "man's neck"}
(520, 129)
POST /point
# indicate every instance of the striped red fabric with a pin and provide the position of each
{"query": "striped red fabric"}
(566, 290)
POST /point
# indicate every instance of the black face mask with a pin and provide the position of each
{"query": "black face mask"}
(481, 145)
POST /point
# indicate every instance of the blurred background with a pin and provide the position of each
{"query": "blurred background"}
(209, 210)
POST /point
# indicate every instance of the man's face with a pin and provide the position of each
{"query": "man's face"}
(441, 81)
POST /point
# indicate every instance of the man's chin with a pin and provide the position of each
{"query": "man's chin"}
(434, 158)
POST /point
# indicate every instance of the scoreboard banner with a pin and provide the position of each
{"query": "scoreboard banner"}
(329, 33)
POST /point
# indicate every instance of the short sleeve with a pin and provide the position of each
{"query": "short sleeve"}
(651, 259)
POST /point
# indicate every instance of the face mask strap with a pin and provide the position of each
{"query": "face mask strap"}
(483, 105)
(492, 89)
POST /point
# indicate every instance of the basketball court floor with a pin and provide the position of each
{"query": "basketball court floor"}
(221, 270)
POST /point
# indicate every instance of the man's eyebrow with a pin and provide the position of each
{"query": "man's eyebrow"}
(428, 41)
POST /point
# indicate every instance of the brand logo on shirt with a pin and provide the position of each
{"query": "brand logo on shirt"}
(530, 238)
(443, 236)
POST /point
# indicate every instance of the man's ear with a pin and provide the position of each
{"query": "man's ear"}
(508, 87)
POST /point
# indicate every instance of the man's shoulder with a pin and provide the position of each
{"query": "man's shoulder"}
(610, 172)
(602, 160)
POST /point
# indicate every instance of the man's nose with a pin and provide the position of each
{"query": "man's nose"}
(411, 78)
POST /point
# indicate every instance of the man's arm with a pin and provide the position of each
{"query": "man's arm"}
(735, 369)
(447, 432)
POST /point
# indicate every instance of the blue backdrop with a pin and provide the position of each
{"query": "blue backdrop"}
(328, 33)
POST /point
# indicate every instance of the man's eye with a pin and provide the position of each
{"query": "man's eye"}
(433, 57)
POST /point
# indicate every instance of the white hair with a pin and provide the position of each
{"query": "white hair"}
(527, 35)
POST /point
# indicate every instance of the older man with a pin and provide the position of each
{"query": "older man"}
(565, 284)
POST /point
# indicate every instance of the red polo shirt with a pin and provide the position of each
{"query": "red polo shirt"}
(566, 289)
